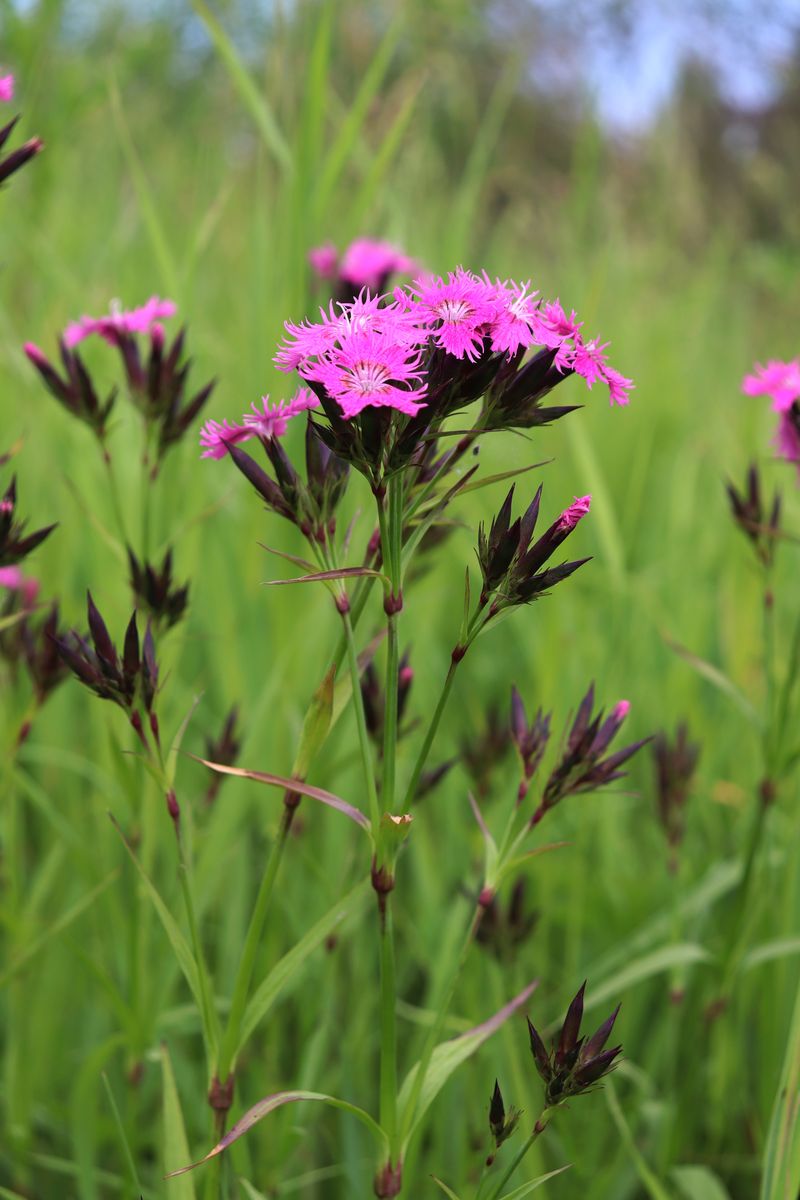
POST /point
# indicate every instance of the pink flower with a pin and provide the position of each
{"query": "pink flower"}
(621, 710)
(370, 367)
(517, 323)
(779, 380)
(588, 360)
(215, 437)
(6, 88)
(787, 436)
(13, 579)
(272, 420)
(323, 260)
(139, 320)
(460, 311)
(367, 263)
(572, 515)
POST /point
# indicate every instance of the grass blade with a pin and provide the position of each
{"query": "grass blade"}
(781, 1175)
(174, 1131)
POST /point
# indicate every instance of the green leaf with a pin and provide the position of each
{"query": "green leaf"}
(525, 1189)
(447, 1190)
(123, 1137)
(650, 1181)
(35, 945)
(681, 954)
(447, 1058)
(699, 1183)
(257, 105)
(294, 785)
(281, 975)
(718, 679)
(268, 1105)
(316, 725)
(781, 1175)
(769, 951)
(175, 1143)
(180, 946)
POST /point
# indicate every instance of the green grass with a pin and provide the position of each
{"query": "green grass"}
(210, 186)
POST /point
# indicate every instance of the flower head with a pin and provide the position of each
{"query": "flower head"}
(779, 380)
(6, 88)
(516, 324)
(573, 1064)
(370, 368)
(367, 263)
(323, 260)
(760, 526)
(459, 311)
(675, 760)
(27, 587)
(576, 511)
(125, 679)
(144, 319)
(272, 420)
(13, 545)
(216, 436)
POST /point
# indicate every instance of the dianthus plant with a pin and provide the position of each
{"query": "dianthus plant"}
(379, 379)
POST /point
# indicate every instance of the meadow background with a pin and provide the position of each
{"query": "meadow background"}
(174, 169)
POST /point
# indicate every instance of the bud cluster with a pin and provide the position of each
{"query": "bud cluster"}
(573, 1063)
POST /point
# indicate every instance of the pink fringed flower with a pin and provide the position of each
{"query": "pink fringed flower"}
(311, 339)
(13, 579)
(323, 260)
(367, 263)
(517, 323)
(6, 88)
(145, 319)
(216, 436)
(370, 367)
(572, 515)
(778, 380)
(272, 420)
(460, 311)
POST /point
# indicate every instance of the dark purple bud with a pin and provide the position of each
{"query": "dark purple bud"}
(568, 1038)
(540, 1055)
(497, 1111)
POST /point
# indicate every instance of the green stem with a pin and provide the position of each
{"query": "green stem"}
(113, 490)
(244, 973)
(435, 1031)
(432, 730)
(209, 1015)
(388, 1066)
(538, 1129)
(392, 530)
(361, 724)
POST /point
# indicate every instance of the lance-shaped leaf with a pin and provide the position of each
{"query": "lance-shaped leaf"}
(525, 1189)
(446, 1059)
(268, 1105)
(294, 785)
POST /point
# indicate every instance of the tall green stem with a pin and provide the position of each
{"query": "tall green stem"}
(113, 491)
(393, 533)
(244, 973)
(388, 1075)
(538, 1129)
(361, 724)
(432, 730)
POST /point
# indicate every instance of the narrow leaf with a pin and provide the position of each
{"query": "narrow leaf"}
(305, 789)
(699, 1183)
(525, 1189)
(174, 1129)
(284, 971)
(781, 1177)
(269, 1104)
(718, 678)
(324, 576)
(447, 1190)
(448, 1056)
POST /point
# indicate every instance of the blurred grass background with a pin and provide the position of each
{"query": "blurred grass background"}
(423, 124)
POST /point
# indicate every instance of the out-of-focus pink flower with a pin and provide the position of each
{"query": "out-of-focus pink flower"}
(787, 436)
(6, 88)
(145, 319)
(323, 260)
(272, 420)
(459, 311)
(576, 511)
(621, 710)
(367, 263)
(369, 367)
(778, 380)
(216, 436)
(13, 579)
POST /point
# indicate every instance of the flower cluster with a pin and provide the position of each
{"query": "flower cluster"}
(157, 380)
(781, 382)
(501, 1123)
(513, 565)
(365, 264)
(129, 679)
(573, 1063)
(761, 527)
(530, 740)
(675, 761)
(24, 153)
(154, 590)
(14, 546)
(582, 767)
